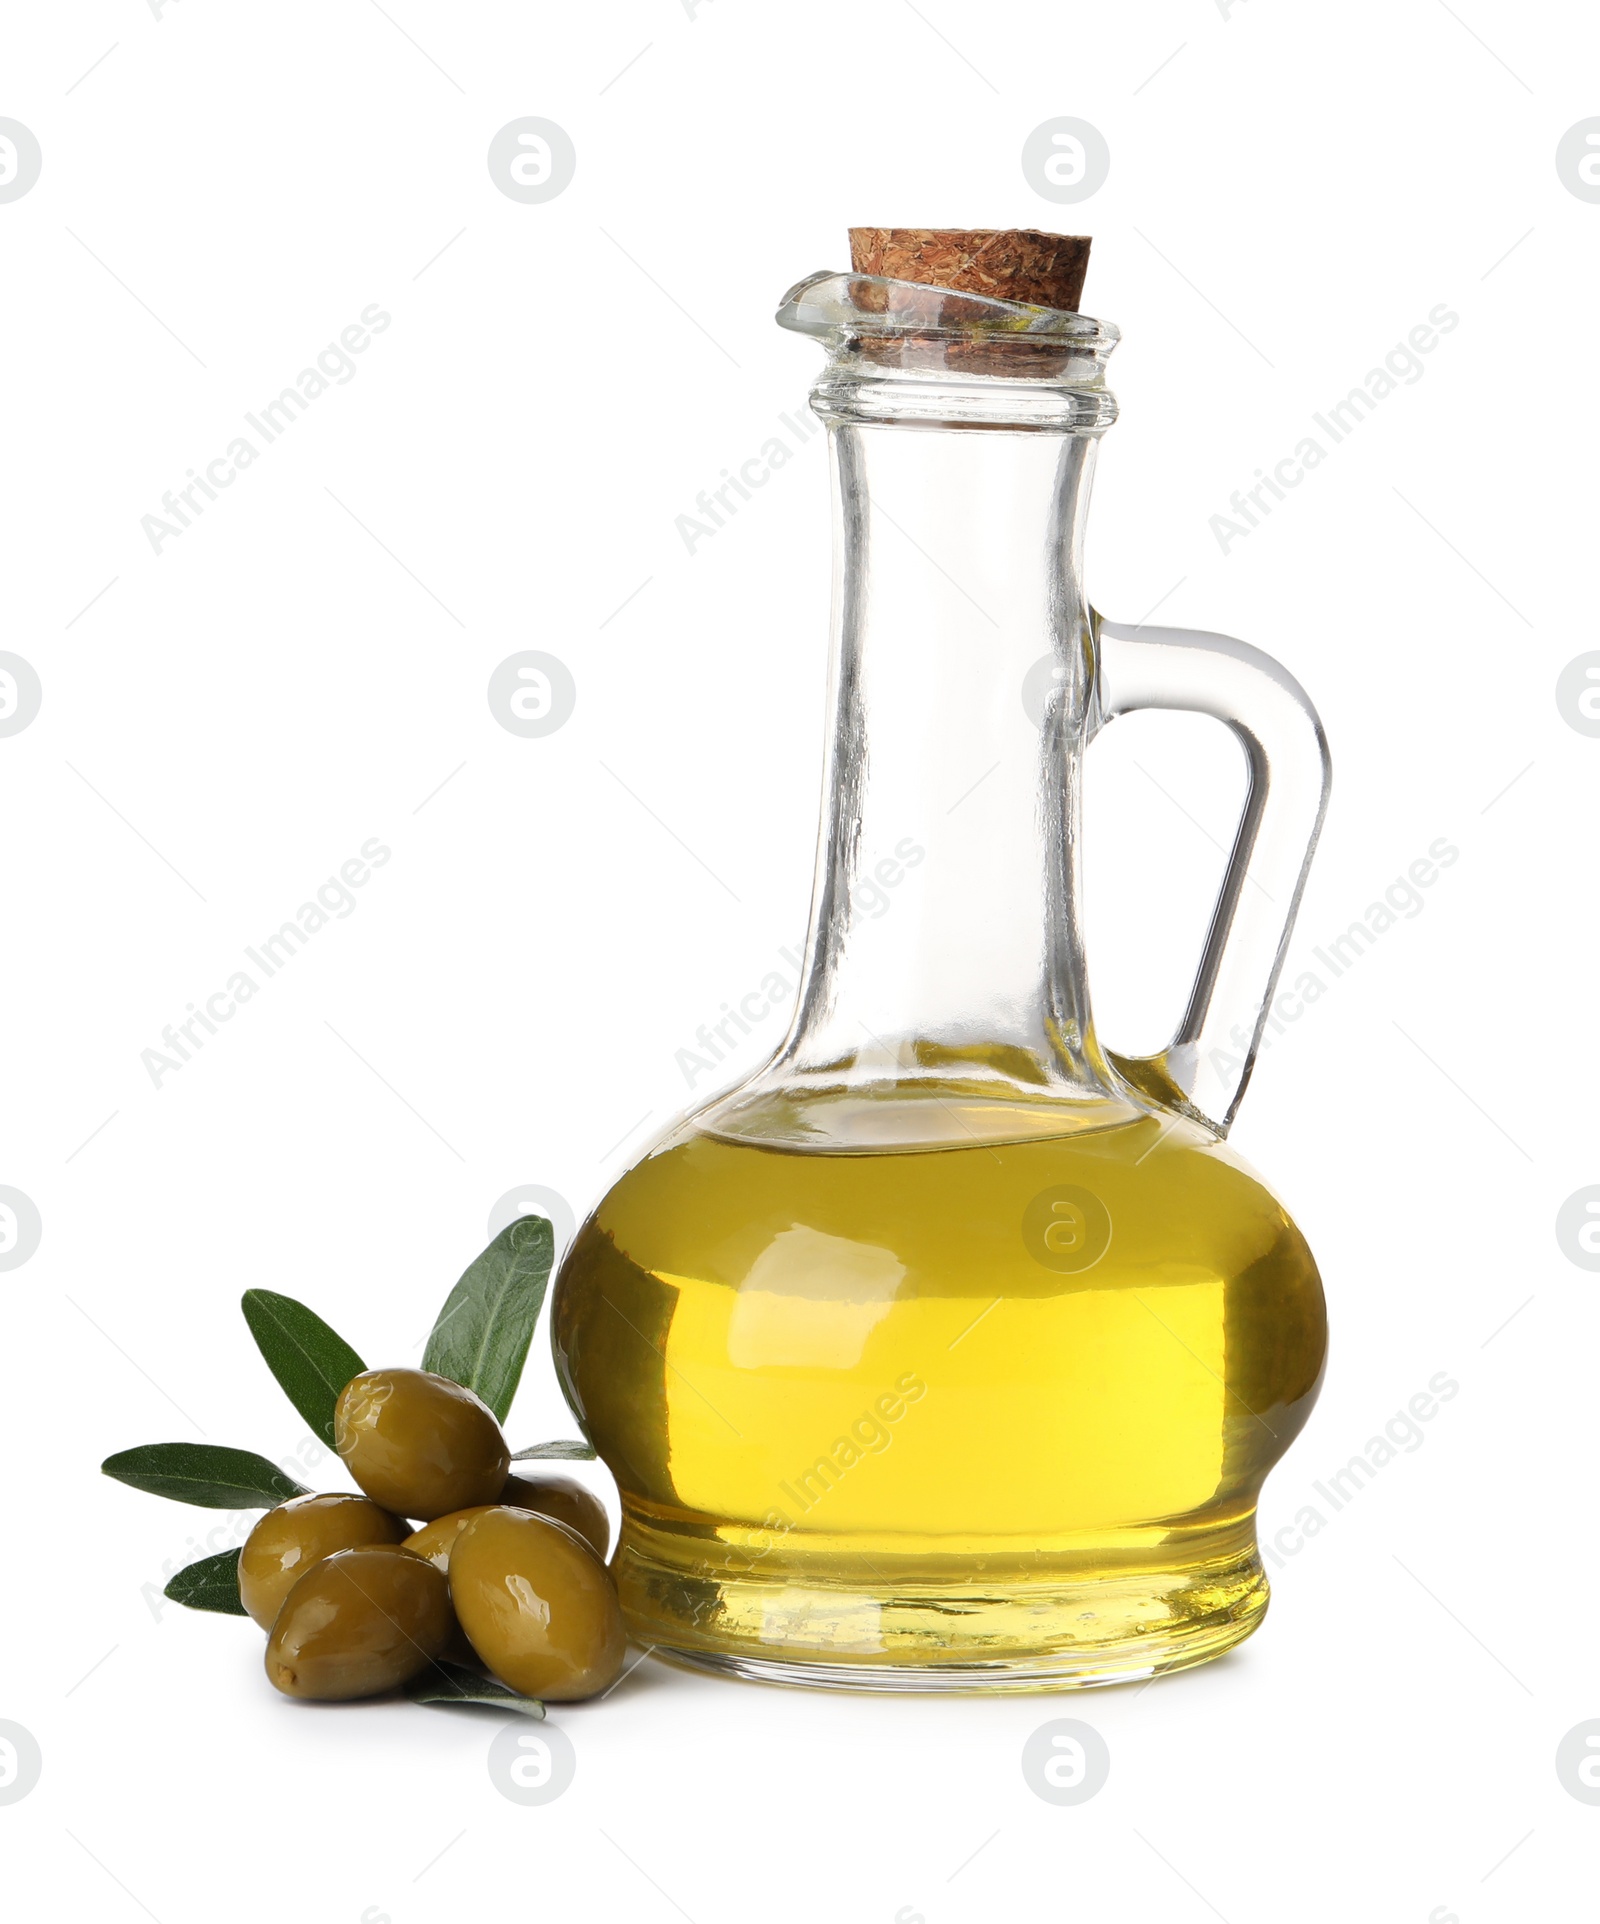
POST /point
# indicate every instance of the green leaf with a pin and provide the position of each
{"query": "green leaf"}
(210, 1584)
(311, 1362)
(451, 1683)
(204, 1474)
(562, 1452)
(481, 1338)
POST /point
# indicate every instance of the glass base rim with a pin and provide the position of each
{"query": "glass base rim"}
(1023, 1676)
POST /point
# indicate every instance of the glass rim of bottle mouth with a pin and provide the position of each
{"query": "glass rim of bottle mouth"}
(843, 308)
(904, 353)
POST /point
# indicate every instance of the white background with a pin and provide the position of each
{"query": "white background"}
(1292, 189)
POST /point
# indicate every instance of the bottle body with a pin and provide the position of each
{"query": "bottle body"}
(985, 1414)
(950, 1349)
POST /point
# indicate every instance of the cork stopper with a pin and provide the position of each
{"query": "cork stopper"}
(1009, 264)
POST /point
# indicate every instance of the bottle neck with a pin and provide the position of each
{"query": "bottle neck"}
(944, 996)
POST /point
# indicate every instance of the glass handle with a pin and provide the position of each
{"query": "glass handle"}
(1206, 1066)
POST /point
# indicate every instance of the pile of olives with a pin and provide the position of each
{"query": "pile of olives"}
(505, 1572)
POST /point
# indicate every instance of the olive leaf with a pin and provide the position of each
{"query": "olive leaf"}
(453, 1683)
(563, 1452)
(481, 1338)
(210, 1584)
(204, 1474)
(311, 1362)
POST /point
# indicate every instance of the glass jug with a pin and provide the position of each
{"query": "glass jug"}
(949, 1349)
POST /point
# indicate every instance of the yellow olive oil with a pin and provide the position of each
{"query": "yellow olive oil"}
(987, 1414)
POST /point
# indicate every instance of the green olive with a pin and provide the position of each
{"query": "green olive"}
(358, 1623)
(288, 1540)
(435, 1540)
(565, 1499)
(419, 1444)
(537, 1605)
